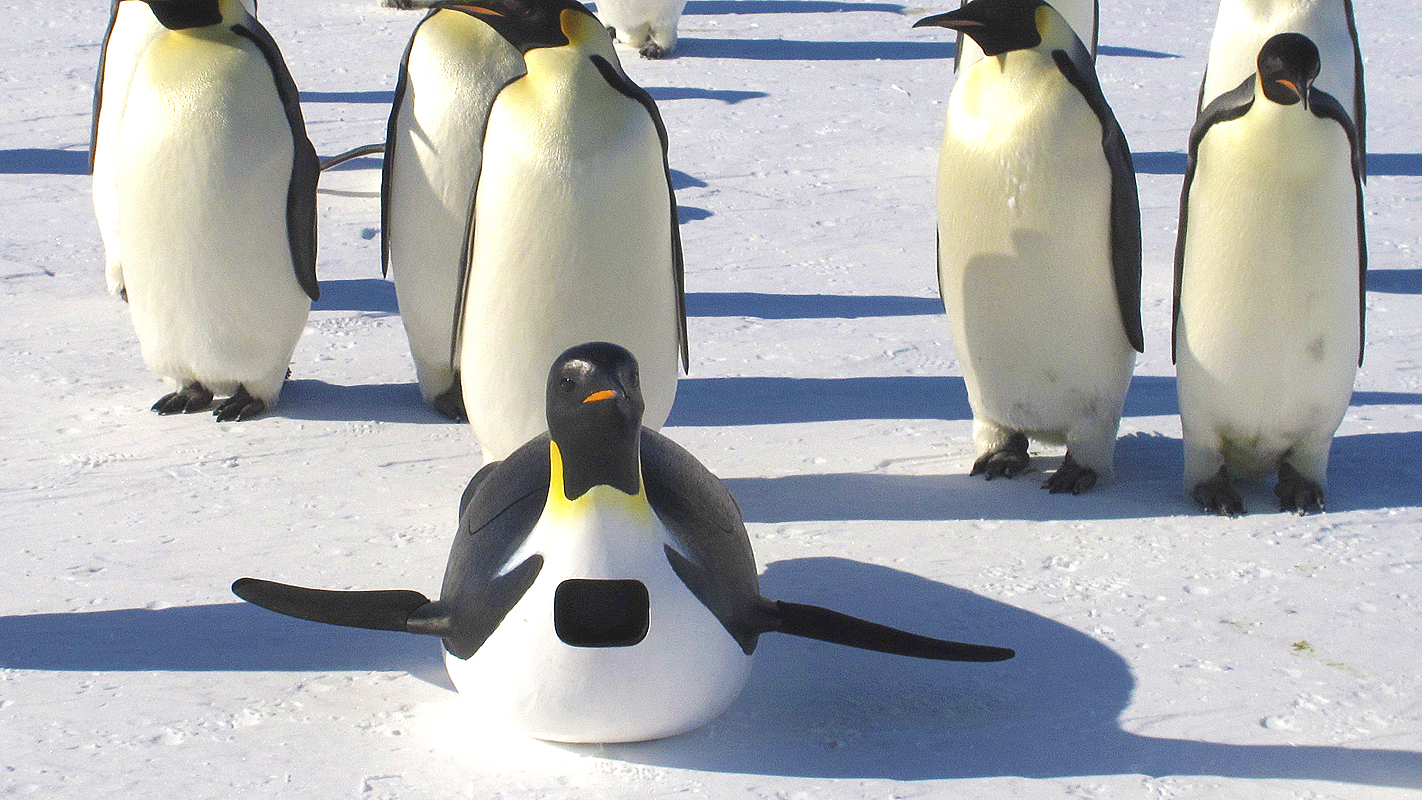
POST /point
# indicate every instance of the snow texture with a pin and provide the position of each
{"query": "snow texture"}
(1162, 653)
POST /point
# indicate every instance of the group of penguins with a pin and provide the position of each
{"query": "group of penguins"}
(601, 586)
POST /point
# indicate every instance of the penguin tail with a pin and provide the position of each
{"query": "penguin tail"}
(813, 622)
(383, 610)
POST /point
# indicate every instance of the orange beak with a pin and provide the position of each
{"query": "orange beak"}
(605, 394)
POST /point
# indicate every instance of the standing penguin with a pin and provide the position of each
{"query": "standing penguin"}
(573, 228)
(453, 68)
(601, 587)
(1269, 271)
(1084, 16)
(215, 221)
(647, 25)
(1039, 252)
(1242, 26)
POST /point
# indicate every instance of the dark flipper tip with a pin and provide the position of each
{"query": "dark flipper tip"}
(382, 610)
(814, 622)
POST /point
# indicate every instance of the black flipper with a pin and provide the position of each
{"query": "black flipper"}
(813, 622)
(1360, 104)
(1326, 106)
(385, 610)
(1079, 70)
(305, 166)
(99, 84)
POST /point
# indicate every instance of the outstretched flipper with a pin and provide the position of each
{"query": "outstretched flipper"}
(382, 610)
(813, 622)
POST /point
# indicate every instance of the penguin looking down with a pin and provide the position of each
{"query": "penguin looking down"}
(601, 587)
(1039, 248)
(208, 184)
(1270, 267)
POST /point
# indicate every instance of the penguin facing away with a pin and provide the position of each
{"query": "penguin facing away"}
(1084, 17)
(453, 67)
(1242, 26)
(647, 25)
(1039, 252)
(215, 183)
(601, 587)
(573, 231)
(1269, 278)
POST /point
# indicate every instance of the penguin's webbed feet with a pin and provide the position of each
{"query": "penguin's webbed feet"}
(1070, 477)
(653, 51)
(451, 402)
(192, 397)
(240, 406)
(1297, 493)
(1006, 461)
(1218, 496)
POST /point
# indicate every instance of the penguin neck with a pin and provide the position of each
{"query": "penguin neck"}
(607, 463)
(197, 16)
(561, 77)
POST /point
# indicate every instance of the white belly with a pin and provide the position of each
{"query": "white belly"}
(572, 244)
(685, 672)
(205, 159)
(1024, 266)
(1243, 26)
(1267, 337)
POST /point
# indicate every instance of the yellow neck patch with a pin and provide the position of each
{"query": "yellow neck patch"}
(602, 496)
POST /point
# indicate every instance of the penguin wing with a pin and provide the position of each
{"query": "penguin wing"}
(382, 610)
(1360, 105)
(1231, 105)
(620, 82)
(305, 167)
(1077, 67)
(1326, 106)
(99, 84)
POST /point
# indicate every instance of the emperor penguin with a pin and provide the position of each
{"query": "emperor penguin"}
(1269, 277)
(601, 587)
(647, 25)
(1082, 15)
(132, 27)
(453, 68)
(216, 217)
(573, 226)
(1039, 252)
(1242, 26)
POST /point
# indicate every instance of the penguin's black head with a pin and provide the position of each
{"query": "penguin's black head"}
(998, 26)
(526, 24)
(1288, 65)
(595, 418)
(177, 15)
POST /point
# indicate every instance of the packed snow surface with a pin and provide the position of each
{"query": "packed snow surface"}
(1162, 653)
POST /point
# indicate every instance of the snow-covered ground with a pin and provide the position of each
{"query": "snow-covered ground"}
(1162, 653)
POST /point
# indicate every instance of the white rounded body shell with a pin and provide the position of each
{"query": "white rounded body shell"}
(639, 23)
(1268, 331)
(572, 243)
(1024, 197)
(204, 160)
(456, 65)
(1242, 27)
(684, 673)
(1079, 14)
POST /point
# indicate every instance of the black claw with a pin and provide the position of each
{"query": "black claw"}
(192, 397)
(451, 402)
(1296, 493)
(1070, 477)
(1004, 462)
(240, 406)
(653, 51)
(1218, 496)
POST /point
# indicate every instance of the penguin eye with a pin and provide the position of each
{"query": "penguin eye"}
(567, 385)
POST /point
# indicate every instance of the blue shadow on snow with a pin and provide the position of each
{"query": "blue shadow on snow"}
(38, 161)
(1395, 281)
(1169, 162)
(808, 306)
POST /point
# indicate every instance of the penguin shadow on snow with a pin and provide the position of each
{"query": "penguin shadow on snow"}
(808, 306)
(383, 97)
(368, 295)
(1170, 162)
(664, 94)
(1395, 281)
(44, 161)
(812, 710)
(785, 7)
(801, 50)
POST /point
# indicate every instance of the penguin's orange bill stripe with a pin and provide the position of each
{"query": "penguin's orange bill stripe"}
(605, 394)
(1294, 87)
(479, 10)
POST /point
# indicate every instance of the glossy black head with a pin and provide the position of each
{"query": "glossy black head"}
(998, 26)
(595, 418)
(177, 15)
(526, 24)
(1288, 65)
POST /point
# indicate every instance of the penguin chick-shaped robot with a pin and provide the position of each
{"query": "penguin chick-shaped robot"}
(647, 25)
(214, 183)
(453, 68)
(1082, 15)
(1269, 274)
(601, 587)
(572, 226)
(1039, 251)
(132, 27)
(1242, 26)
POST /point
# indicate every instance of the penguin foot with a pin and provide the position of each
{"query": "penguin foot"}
(1297, 493)
(654, 51)
(1218, 496)
(238, 407)
(1070, 477)
(451, 403)
(192, 397)
(1004, 462)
